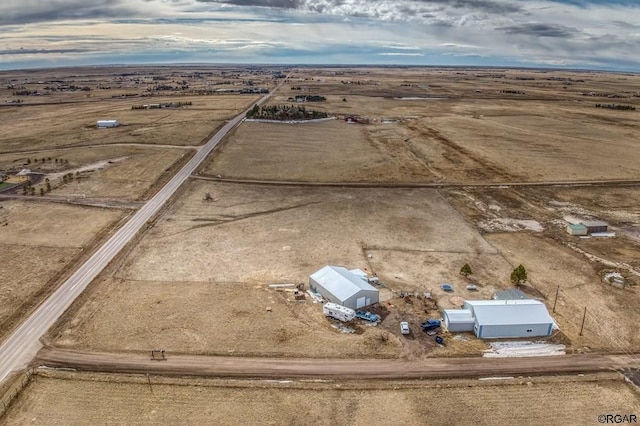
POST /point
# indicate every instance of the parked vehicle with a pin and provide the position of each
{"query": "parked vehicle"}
(430, 324)
(446, 287)
(472, 287)
(404, 327)
(368, 316)
(339, 312)
(439, 340)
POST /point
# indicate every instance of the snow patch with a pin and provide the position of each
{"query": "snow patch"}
(511, 225)
(523, 349)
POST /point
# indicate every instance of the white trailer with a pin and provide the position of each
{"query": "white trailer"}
(105, 124)
(339, 312)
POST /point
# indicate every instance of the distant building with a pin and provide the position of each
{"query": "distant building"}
(576, 229)
(105, 124)
(491, 319)
(595, 226)
(345, 287)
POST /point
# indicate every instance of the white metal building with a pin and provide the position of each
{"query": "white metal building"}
(501, 318)
(458, 320)
(344, 287)
(105, 124)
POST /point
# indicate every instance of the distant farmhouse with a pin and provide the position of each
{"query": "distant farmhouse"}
(106, 124)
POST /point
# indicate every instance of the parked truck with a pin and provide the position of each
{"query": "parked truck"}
(339, 312)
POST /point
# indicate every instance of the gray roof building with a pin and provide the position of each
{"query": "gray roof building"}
(344, 287)
(502, 318)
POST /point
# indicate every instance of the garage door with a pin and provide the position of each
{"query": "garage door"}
(362, 301)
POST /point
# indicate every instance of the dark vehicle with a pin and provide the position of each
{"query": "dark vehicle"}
(430, 324)
(446, 287)
(439, 340)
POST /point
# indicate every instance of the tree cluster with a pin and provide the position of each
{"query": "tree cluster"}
(617, 106)
(284, 113)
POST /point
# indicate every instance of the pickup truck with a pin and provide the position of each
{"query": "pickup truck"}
(430, 324)
(368, 316)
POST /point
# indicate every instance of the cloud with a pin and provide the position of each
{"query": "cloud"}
(541, 30)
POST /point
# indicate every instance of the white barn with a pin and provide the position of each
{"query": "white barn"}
(501, 318)
(345, 287)
(105, 124)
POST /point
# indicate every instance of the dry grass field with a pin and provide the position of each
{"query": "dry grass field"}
(39, 241)
(198, 280)
(331, 151)
(553, 258)
(80, 399)
(122, 172)
(459, 126)
(34, 127)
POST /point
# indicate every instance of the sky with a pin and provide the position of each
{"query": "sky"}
(586, 34)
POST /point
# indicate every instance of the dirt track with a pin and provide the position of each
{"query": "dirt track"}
(190, 365)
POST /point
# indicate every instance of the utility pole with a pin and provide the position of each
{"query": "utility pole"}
(556, 301)
(584, 317)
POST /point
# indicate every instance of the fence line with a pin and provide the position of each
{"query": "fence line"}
(15, 390)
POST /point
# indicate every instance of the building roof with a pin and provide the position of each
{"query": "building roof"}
(577, 226)
(507, 312)
(594, 223)
(510, 294)
(459, 315)
(341, 282)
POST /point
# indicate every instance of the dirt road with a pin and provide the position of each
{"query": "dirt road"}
(273, 368)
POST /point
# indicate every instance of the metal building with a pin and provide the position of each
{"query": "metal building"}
(501, 318)
(344, 287)
(458, 320)
(577, 229)
(105, 124)
(595, 226)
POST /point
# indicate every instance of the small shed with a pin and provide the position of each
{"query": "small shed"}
(576, 229)
(595, 226)
(344, 287)
(106, 124)
(458, 320)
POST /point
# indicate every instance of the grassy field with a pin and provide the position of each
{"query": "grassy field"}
(79, 399)
(38, 242)
(74, 124)
(216, 258)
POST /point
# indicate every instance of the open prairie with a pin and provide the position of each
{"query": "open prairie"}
(79, 399)
(466, 125)
(117, 172)
(200, 276)
(39, 242)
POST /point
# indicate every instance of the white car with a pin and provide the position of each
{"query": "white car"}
(404, 327)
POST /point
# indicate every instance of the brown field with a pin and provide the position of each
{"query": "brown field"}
(317, 152)
(79, 399)
(465, 130)
(218, 257)
(38, 242)
(74, 124)
(103, 172)
(551, 261)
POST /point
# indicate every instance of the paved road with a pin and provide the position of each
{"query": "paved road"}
(278, 368)
(20, 348)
